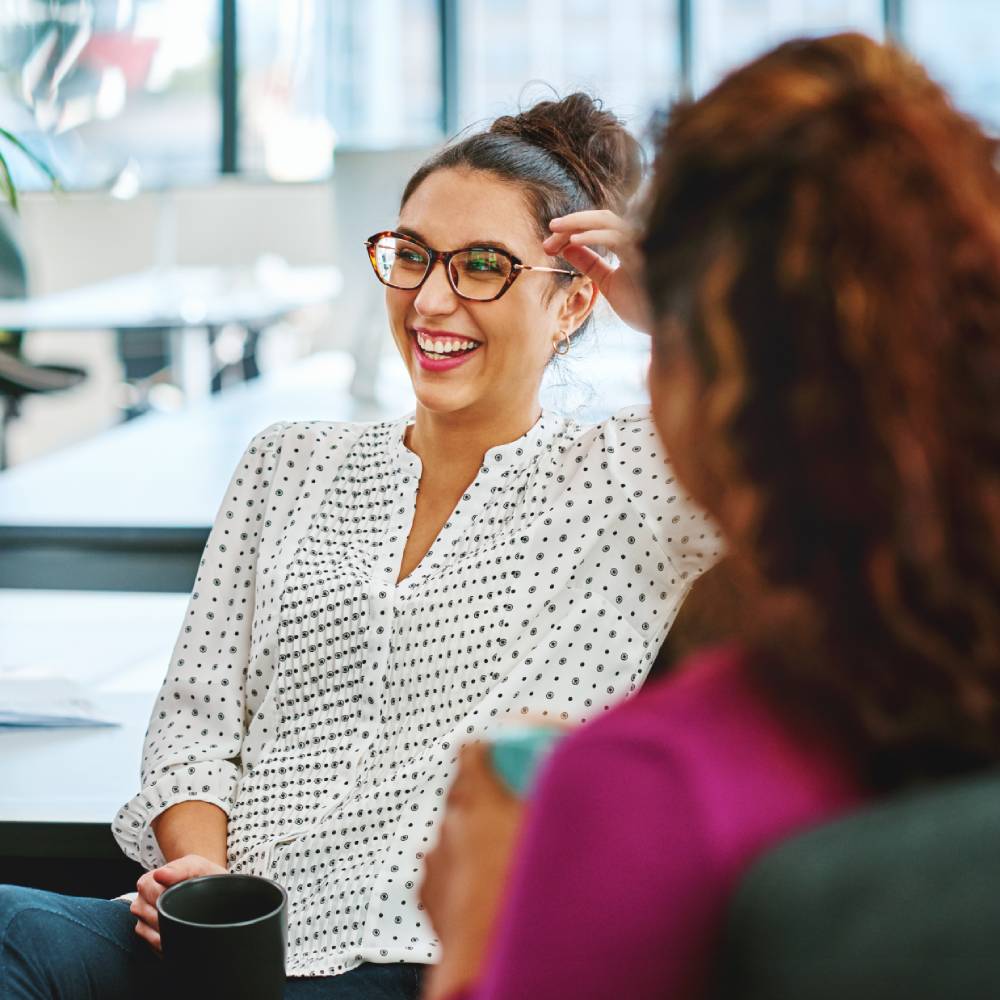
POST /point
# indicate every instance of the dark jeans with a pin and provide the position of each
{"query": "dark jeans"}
(56, 947)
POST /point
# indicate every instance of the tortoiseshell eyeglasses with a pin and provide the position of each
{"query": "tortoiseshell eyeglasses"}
(477, 273)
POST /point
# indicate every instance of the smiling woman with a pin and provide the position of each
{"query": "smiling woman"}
(490, 199)
(475, 297)
(374, 595)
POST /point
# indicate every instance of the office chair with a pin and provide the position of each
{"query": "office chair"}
(900, 901)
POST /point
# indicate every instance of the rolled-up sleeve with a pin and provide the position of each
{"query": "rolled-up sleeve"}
(196, 729)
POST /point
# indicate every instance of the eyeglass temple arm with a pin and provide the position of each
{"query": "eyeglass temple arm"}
(551, 270)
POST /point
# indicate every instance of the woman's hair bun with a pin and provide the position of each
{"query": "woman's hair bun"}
(590, 142)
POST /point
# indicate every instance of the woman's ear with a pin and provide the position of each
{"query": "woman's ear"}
(578, 304)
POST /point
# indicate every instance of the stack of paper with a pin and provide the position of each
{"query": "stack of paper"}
(45, 702)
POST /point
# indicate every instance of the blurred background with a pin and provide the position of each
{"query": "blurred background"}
(199, 271)
(263, 136)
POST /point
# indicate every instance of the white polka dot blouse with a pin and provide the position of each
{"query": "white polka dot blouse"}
(321, 704)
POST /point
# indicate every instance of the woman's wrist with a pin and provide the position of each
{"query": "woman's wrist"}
(193, 827)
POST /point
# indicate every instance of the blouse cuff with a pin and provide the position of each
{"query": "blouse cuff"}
(212, 781)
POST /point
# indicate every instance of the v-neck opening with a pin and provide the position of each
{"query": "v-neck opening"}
(424, 560)
(499, 460)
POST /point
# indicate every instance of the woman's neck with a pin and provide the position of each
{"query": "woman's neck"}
(455, 444)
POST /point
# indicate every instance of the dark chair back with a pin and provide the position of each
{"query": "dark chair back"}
(898, 902)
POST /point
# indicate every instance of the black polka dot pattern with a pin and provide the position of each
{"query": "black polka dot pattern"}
(321, 704)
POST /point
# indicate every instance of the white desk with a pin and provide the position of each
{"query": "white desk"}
(170, 470)
(176, 297)
(188, 305)
(131, 508)
(60, 789)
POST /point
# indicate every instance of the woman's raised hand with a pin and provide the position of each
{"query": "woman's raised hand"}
(153, 884)
(573, 238)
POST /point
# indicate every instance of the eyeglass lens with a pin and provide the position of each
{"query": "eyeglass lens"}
(475, 273)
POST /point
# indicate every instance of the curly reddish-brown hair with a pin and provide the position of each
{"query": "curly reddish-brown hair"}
(823, 242)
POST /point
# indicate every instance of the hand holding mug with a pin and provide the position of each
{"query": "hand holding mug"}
(153, 884)
(224, 935)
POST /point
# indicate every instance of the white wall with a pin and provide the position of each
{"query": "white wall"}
(73, 239)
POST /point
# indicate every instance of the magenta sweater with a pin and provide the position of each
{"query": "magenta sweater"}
(641, 825)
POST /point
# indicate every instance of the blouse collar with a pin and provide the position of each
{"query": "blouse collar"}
(499, 461)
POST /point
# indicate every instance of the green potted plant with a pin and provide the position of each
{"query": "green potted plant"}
(8, 189)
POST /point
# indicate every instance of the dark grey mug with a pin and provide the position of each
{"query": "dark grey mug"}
(224, 936)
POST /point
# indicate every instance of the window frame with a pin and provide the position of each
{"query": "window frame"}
(448, 28)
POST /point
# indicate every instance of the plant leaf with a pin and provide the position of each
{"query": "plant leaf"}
(33, 157)
(7, 183)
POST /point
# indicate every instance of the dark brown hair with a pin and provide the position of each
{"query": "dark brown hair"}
(565, 155)
(823, 240)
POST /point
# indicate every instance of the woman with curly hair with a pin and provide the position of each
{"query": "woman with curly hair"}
(822, 262)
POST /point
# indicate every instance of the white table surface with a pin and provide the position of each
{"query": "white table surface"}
(171, 470)
(176, 297)
(118, 647)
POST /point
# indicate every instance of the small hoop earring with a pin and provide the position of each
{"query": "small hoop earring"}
(563, 344)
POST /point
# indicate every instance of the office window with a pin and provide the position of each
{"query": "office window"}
(126, 93)
(111, 89)
(726, 33)
(626, 53)
(314, 75)
(958, 43)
